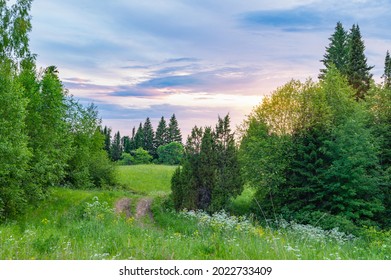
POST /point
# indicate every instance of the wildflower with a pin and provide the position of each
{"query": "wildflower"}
(45, 221)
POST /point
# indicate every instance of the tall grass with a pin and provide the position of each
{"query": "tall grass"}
(77, 224)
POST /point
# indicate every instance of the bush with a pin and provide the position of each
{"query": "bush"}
(126, 159)
(171, 153)
(141, 156)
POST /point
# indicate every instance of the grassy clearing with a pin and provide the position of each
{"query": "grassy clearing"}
(147, 179)
(78, 224)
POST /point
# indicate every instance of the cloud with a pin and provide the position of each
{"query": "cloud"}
(297, 19)
(182, 59)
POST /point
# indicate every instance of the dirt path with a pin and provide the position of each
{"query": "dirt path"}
(123, 206)
(143, 208)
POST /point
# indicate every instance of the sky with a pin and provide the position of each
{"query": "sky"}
(196, 58)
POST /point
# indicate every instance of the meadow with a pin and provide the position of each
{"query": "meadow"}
(82, 224)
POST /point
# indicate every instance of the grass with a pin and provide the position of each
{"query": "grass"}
(147, 179)
(81, 224)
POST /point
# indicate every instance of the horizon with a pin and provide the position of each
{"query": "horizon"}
(196, 60)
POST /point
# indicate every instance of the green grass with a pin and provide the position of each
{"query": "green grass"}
(81, 224)
(147, 179)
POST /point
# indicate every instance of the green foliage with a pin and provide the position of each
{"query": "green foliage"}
(387, 71)
(337, 51)
(358, 73)
(48, 131)
(379, 103)
(13, 143)
(116, 148)
(161, 137)
(149, 137)
(210, 173)
(15, 25)
(139, 137)
(107, 133)
(321, 160)
(80, 224)
(89, 165)
(126, 159)
(171, 153)
(174, 133)
(141, 156)
(346, 53)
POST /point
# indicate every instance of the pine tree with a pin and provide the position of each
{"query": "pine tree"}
(161, 137)
(149, 137)
(337, 51)
(174, 133)
(107, 134)
(125, 141)
(357, 72)
(139, 137)
(229, 182)
(387, 71)
(132, 142)
(210, 173)
(206, 175)
(116, 147)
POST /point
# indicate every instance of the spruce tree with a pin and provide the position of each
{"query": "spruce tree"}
(126, 144)
(337, 51)
(139, 138)
(210, 173)
(206, 175)
(149, 137)
(174, 133)
(229, 182)
(387, 71)
(358, 73)
(116, 147)
(107, 134)
(161, 137)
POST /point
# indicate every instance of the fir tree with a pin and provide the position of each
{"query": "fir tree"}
(358, 73)
(229, 182)
(149, 137)
(337, 51)
(132, 142)
(116, 147)
(387, 71)
(139, 138)
(161, 137)
(206, 175)
(174, 133)
(107, 134)
(126, 144)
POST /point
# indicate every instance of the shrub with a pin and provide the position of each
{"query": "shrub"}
(141, 156)
(171, 153)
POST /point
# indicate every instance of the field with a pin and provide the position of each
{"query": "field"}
(82, 224)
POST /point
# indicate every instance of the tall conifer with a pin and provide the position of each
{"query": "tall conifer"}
(387, 71)
(358, 73)
(174, 133)
(337, 51)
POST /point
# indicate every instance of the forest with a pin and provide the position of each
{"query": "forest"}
(315, 153)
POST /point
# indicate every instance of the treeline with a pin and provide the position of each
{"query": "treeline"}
(46, 137)
(146, 145)
(320, 152)
(315, 152)
(209, 175)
